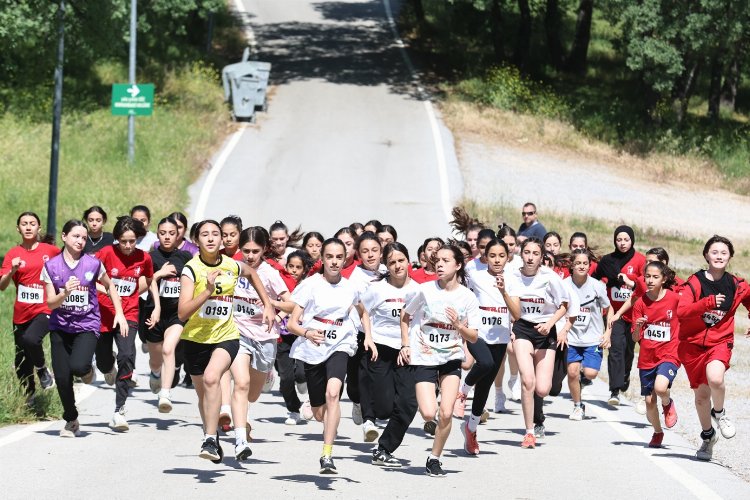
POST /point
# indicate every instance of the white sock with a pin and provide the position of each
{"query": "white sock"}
(465, 389)
(164, 393)
(529, 431)
(240, 434)
(432, 457)
(225, 409)
(156, 373)
(206, 436)
(473, 422)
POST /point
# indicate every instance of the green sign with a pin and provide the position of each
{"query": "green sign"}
(132, 99)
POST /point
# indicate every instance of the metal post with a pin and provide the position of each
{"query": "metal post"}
(131, 77)
(56, 117)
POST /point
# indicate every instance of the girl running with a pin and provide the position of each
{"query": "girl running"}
(708, 304)
(23, 265)
(348, 238)
(373, 226)
(469, 227)
(446, 314)
(508, 235)
(493, 289)
(480, 263)
(587, 337)
(163, 326)
(312, 243)
(182, 242)
(542, 301)
(231, 227)
(387, 235)
(131, 271)
(95, 217)
(395, 398)
(207, 287)
(282, 243)
(70, 280)
(143, 214)
(579, 240)
(657, 329)
(427, 272)
(327, 338)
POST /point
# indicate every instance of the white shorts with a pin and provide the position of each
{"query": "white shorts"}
(262, 354)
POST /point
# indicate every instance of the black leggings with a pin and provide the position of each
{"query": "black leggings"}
(358, 378)
(125, 359)
(291, 372)
(28, 339)
(621, 354)
(71, 356)
(487, 361)
(395, 397)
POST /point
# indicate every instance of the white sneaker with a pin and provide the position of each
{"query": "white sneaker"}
(370, 432)
(640, 406)
(614, 398)
(500, 399)
(706, 451)
(268, 384)
(357, 414)
(242, 451)
(293, 418)
(306, 411)
(485, 417)
(71, 429)
(579, 413)
(725, 425)
(165, 403)
(154, 383)
(118, 422)
(302, 387)
(515, 392)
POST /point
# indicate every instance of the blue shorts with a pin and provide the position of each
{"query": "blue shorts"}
(589, 357)
(648, 377)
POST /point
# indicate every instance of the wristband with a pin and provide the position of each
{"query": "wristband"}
(405, 347)
(305, 334)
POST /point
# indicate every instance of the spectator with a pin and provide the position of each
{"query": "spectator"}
(531, 227)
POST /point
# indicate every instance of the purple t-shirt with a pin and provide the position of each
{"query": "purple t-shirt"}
(187, 246)
(79, 312)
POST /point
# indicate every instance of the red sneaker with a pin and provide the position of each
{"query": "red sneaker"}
(471, 446)
(656, 440)
(459, 407)
(670, 414)
(225, 422)
(529, 441)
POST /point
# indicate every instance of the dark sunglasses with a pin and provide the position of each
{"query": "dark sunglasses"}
(527, 213)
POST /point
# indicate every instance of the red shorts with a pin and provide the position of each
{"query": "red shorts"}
(695, 358)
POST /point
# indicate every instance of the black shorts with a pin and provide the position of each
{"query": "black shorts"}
(197, 356)
(523, 329)
(156, 334)
(435, 373)
(318, 375)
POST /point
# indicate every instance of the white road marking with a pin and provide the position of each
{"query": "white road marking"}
(213, 173)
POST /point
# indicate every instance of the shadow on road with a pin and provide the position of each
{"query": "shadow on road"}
(322, 482)
(205, 476)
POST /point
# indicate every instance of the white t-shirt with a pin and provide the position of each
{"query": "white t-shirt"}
(248, 308)
(383, 303)
(588, 328)
(496, 318)
(361, 278)
(540, 295)
(432, 338)
(326, 308)
(475, 265)
(147, 242)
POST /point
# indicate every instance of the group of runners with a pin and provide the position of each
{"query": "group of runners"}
(403, 333)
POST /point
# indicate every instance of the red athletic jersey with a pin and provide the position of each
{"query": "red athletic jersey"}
(660, 333)
(641, 288)
(31, 297)
(592, 267)
(562, 272)
(348, 270)
(124, 271)
(618, 296)
(420, 276)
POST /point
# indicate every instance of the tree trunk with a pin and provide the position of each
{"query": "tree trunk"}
(496, 28)
(685, 90)
(729, 89)
(552, 30)
(418, 10)
(578, 57)
(523, 42)
(714, 89)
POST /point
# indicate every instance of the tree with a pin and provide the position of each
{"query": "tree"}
(577, 60)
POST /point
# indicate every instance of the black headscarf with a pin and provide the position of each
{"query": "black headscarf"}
(611, 264)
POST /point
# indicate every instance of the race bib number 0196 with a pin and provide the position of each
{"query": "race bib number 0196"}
(30, 294)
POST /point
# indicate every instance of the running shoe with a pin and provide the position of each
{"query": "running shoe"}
(529, 441)
(640, 406)
(294, 418)
(306, 410)
(485, 416)
(132, 383)
(500, 400)
(118, 422)
(302, 387)
(242, 451)
(614, 398)
(45, 379)
(111, 376)
(515, 393)
(357, 414)
(384, 459)
(670, 414)
(726, 426)
(706, 451)
(90, 377)
(225, 422)
(154, 382)
(270, 379)
(248, 430)
(326, 466)
(210, 449)
(579, 413)
(176, 378)
(71, 429)
(656, 440)
(430, 427)
(459, 407)
(539, 431)
(165, 404)
(471, 446)
(370, 432)
(188, 381)
(434, 468)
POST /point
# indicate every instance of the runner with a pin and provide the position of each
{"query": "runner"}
(143, 214)
(373, 226)
(327, 338)
(231, 227)
(95, 217)
(469, 227)
(182, 242)
(348, 237)
(145, 302)
(552, 242)
(657, 328)
(387, 235)
(446, 314)
(163, 327)
(395, 398)
(580, 240)
(312, 243)
(70, 280)
(543, 300)
(708, 304)
(23, 265)
(508, 235)
(493, 289)
(587, 337)
(479, 263)
(211, 338)
(282, 243)
(427, 272)
(623, 263)
(356, 229)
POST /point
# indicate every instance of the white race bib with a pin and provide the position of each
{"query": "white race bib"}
(620, 294)
(493, 316)
(169, 288)
(243, 308)
(329, 327)
(583, 318)
(216, 309)
(30, 294)
(125, 287)
(77, 298)
(710, 318)
(439, 335)
(657, 333)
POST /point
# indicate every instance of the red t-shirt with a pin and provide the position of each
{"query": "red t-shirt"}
(124, 271)
(420, 276)
(562, 272)
(641, 288)
(660, 334)
(347, 271)
(618, 296)
(31, 297)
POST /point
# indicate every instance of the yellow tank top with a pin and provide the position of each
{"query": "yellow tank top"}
(213, 322)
